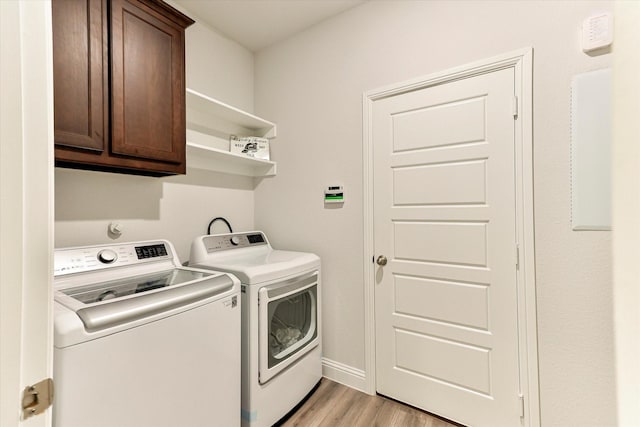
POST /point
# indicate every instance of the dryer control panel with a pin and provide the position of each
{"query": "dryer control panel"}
(223, 242)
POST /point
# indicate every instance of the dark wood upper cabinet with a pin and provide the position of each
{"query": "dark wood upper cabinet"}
(119, 86)
(81, 102)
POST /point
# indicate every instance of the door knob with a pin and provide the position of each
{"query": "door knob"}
(382, 260)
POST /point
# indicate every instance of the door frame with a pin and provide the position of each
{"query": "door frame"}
(522, 62)
(26, 212)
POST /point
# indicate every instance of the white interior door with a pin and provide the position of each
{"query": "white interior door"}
(445, 218)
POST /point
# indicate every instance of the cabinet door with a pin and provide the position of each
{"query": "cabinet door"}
(147, 84)
(80, 86)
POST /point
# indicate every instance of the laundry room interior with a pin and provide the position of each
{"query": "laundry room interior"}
(313, 85)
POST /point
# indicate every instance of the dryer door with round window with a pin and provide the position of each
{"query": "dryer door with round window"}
(288, 323)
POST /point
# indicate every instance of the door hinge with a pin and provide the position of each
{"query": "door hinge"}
(521, 404)
(515, 107)
(517, 257)
(37, 398)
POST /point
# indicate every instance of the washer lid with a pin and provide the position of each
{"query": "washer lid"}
(253, 267)
(116, 302)
(103, 291)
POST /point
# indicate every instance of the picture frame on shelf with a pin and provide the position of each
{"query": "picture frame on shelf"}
(250, 146)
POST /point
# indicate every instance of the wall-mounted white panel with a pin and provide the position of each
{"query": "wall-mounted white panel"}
(591, 151)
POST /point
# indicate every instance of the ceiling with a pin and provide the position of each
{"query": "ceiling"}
(256, 24)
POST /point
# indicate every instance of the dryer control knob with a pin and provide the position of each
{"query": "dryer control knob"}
(235, 240)
(107, 256)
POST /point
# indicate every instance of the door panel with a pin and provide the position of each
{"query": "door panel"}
(447, 243)
(466, 184)
(446, 124)
(450, 362)
(445, 300)
(80, 86)
(147, 84)
(444, 216)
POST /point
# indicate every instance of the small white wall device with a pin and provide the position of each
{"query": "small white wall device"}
(334, 194)
(597, 32)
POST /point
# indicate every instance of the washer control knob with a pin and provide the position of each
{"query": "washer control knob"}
(235, 240)
(107, 256)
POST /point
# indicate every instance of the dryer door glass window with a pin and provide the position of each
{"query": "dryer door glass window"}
(292, 324)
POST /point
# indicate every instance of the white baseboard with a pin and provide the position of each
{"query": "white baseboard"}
(344, 374)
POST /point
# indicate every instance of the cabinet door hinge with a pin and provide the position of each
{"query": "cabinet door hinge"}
(37, 398)
(521, 404)
(515, 107)
(517, 257)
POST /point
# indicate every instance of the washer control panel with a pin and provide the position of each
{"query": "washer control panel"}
(81, 259)
(222, 242)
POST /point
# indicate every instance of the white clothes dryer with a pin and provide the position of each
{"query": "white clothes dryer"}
(281, 320)
(141, 341)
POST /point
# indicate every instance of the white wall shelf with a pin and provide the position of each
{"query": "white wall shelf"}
(202, 157)
(210, 123)
(210, 114)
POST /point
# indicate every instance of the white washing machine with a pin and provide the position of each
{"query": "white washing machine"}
(141, 341)
(281, 320)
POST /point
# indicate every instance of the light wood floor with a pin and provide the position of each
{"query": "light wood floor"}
(335, 405)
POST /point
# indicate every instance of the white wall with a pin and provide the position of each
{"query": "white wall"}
(626, 210)
(217, 66)
(311, 85)
(174, 208)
